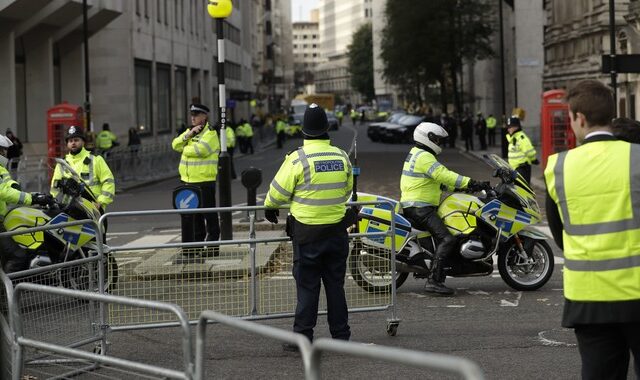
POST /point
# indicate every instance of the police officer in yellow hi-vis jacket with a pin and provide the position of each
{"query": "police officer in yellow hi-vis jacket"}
(593, 207)
(420, 184)
(521, 152)
(200, 149)
(316, 180)
(93, 170)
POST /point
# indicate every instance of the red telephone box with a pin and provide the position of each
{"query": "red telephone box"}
(59, 118)
(556, 133)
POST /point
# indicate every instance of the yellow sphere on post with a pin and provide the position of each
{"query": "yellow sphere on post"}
(219, 8)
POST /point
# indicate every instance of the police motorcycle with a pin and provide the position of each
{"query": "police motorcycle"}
(497, 223)
(75, 201)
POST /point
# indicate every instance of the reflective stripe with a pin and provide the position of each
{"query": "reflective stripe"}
(602, 265)
(198, 163)
(107, 194)
(413, 160)
(321, 202)
(415, 204)
(207, 147)
(604, 227)
(413, 174)
(109, 180)
(306, 169)
(319, 154)
(90, 179)
(433, 169)
(22, 197)
(195, 148)
(459, 181)
(322, 186)
(280, 189)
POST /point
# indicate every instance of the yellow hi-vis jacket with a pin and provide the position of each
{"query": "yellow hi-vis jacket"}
(316, 180)
(597, 190)
(521, 151)
(280, 126)
(421, 178)
(247, 130)
(231, 137)
(95, 173)
(199, 161)
(491, 122)
(9, 193)
(105, 140)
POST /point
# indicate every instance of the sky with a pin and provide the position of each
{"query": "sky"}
(300, 9)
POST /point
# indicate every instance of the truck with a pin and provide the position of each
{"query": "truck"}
(326, 101)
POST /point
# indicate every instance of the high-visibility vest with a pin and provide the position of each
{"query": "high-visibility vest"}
(231, 137)
(105, 139)
(199, 160)
(247, 130)
(491, 122)
(521, 151)
(597, 190)
(421, 178)
(280, 126)
(9, 193)
(94, 172)
(316, 180)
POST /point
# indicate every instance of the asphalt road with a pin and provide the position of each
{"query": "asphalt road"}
(510, 334)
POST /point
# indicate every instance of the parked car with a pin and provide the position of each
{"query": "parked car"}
(333, 121)
(402, 131)
(374, 129)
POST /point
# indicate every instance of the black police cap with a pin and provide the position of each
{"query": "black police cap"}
(315, 121)
(74, 131)
(513, 121)
(198, 108)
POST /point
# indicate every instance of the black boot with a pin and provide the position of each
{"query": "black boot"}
(435, 282)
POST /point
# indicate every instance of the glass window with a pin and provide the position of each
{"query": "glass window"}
(181, 96)
(143, 95)
(163, 76)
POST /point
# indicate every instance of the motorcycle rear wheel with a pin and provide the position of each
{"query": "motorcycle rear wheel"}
(371, 269)
(526, 276)
(78, 277)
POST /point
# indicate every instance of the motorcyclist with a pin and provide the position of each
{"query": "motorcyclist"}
(13, 257)
(420, 184)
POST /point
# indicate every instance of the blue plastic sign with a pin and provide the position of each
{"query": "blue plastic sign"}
(185, 199)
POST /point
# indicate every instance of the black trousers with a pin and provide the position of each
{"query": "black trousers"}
(249, 145)
(280, 139)
(525, 172)
(492, 136)
(427, 219)
(604, 350)
(201, 227)
(468, 142)
(482, 137)
(322, 260)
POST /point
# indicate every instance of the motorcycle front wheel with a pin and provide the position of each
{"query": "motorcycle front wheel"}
(526, 274)
(371, 269)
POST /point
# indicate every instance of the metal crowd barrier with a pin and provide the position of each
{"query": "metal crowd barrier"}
(148, 161)
(251, 278)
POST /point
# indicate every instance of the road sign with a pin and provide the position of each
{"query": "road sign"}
(186, 197)
(625, 63)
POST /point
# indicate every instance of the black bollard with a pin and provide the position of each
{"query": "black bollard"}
(251, 178)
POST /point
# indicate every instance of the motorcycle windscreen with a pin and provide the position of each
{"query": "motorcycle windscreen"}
(501, 216)
(375, 220)
(457, 211)
(26, 217)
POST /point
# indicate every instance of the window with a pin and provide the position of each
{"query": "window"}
(143, 95)
(232, 70)
(163, 77)
(181, 96)
(267, 28)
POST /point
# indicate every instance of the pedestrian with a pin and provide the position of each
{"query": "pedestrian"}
(521, 154)
(453, 130)
(13, 257)
(248, 136)
(467, 131)
(362, 115)
(481, 131)
(339, 116)
(593, 216)
(231, 145)
(14, 152)
(200, 149)
(491, 129)
(240, 136)
(281, 126)
(93, 170)
(134, 145)
(422, 176)
(105, 140)
(354, 116)
(316, 181)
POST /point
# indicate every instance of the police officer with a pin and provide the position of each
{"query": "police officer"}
(280, 128)
(93, 170)
(13, 257)
(521, 152)
(316, 180)
(200, 149)
(420, 183)
(592, 195)
(105, 140)
(231, 146)
(491, 129)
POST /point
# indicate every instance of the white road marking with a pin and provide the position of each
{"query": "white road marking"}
(551, 342)
(151, 240)
(515, 303)
(127, 233)
(478, 293)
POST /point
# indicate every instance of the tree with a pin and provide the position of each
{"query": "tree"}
(360, 53)
(423, 43)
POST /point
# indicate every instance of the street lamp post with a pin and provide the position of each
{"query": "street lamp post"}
(503, 137)
(87, 88)
(219, 10)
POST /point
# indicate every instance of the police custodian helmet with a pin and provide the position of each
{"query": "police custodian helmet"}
(74, 131)
(315, 121)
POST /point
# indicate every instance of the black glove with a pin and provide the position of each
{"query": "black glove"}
(41, 199)
(475, 186)
(271, 214)
(535, 162)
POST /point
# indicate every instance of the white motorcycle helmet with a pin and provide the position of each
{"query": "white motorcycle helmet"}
(430, 135)
(5, 143)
